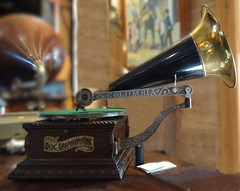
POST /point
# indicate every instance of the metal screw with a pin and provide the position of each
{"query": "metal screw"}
(174, 90)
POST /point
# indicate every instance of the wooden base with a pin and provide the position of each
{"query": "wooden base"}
(73, 169)
(74, 149)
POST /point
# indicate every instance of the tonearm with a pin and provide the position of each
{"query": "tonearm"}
(85, 97)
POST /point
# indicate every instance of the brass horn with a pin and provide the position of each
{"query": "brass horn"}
(204, 52)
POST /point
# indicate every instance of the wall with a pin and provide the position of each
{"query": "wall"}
(197, 134)
(208, 134)
(65, 35)
(93, 44)
(228, 14)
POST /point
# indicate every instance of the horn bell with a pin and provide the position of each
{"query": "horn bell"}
(214, 50)
(204, 52)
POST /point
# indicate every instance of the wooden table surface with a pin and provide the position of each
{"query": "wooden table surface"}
(185, 177)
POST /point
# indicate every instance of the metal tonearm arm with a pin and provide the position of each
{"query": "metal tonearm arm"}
(85, 97)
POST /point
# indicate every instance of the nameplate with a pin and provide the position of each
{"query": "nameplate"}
(80, 143)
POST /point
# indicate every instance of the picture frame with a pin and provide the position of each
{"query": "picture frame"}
(151, 26)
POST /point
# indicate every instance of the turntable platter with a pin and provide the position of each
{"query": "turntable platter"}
(83, 114)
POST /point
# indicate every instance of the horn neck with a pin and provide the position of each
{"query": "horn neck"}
(182, 59)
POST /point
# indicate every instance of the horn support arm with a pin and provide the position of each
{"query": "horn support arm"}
(85, 97)
(122, 144)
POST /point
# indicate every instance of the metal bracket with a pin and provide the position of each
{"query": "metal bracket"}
(122, 144)
(85, 97)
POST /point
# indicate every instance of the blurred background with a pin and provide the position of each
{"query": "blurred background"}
(92, 39)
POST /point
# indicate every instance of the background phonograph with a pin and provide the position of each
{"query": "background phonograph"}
(30, 35)
(44, 79)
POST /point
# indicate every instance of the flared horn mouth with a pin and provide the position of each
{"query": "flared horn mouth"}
(214, 49)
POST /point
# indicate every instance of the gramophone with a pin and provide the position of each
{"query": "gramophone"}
(31, 55)
(94, 143)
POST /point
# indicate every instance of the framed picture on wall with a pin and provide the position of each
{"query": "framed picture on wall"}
(151, 26)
